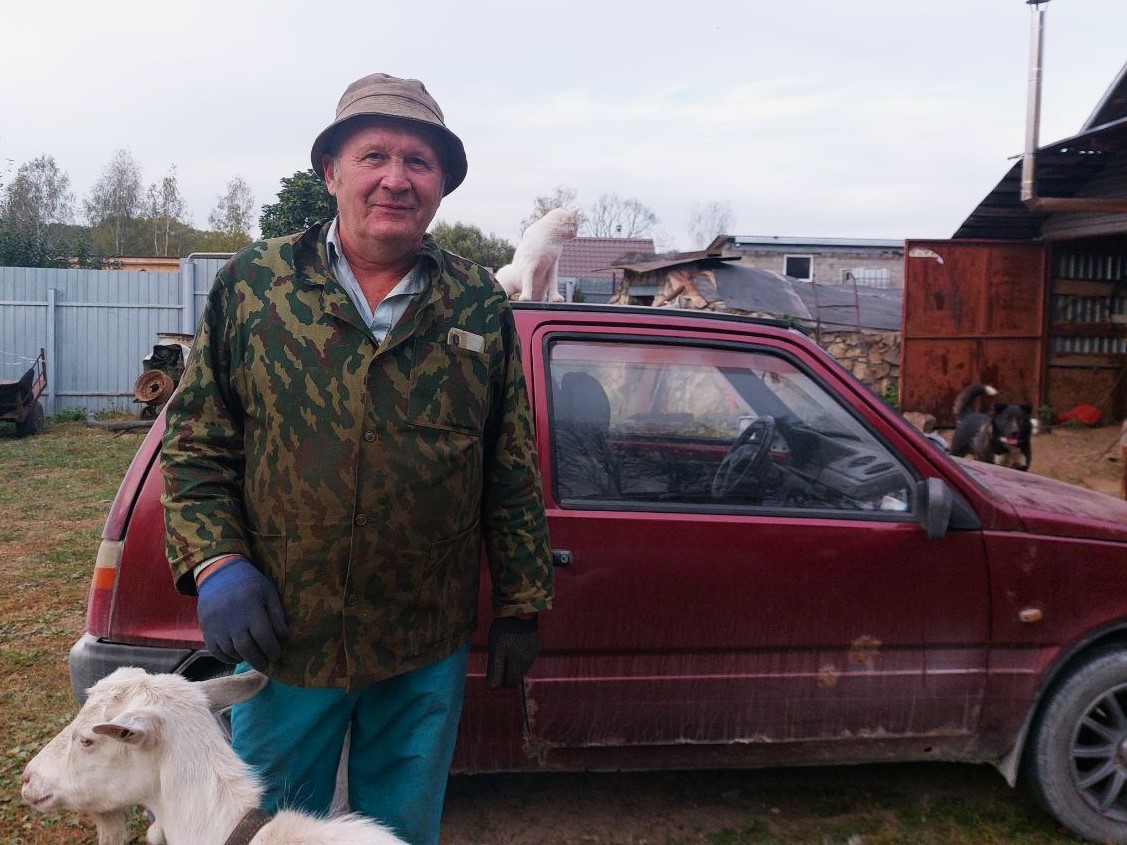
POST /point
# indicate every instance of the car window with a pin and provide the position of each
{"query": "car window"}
(668, 424)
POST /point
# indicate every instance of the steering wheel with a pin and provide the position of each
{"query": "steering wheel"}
(748, 456)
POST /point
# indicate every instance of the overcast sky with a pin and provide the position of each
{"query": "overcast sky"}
(812, 118)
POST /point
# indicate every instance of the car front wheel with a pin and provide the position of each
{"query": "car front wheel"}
(1077, 756)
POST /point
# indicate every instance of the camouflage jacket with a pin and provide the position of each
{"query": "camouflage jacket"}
(362, 478)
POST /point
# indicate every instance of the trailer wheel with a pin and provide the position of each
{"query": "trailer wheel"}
(32, 423)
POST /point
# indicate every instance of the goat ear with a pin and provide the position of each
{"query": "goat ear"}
(231, 689)
(133, 727)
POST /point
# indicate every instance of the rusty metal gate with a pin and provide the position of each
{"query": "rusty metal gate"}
(973, 312)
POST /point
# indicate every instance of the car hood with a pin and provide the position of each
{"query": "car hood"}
(1046, 506)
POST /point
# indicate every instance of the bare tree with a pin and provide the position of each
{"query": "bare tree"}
(709, 220)
(114, 203)
(613, 216)
(233, 215)
(38, 197)
(562, 197)
(7, 166)
(165, 206)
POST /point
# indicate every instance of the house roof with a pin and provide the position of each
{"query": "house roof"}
(715, 251)
(674, 261)
(833, 306)
(846, 307)
(1061, 169)
(773, 242)
(1113, 106)
(759, 291)
(591, 258)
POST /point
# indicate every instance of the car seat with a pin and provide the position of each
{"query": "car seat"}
(586, 467)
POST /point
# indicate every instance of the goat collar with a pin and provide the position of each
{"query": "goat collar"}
(248, 827)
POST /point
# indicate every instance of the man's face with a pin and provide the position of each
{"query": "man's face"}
(388, 180)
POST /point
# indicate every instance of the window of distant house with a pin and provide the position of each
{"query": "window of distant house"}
(799, 267)
(868, 277)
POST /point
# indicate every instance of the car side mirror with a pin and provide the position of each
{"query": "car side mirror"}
(936, 503)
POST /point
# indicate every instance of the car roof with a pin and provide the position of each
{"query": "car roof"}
(647, 311)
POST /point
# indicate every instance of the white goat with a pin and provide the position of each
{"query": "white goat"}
(153, 741)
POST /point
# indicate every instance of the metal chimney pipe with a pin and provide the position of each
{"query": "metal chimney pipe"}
(1033, 103)
(1029, 198)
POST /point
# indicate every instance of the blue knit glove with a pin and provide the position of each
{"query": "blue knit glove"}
(240, 614)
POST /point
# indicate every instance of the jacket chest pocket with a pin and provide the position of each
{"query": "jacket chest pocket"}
(449, 388)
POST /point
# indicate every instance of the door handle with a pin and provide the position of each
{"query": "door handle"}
(561, 557)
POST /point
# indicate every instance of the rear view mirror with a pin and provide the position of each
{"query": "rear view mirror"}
(935, 505)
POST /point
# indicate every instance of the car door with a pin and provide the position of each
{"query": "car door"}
(801, 602)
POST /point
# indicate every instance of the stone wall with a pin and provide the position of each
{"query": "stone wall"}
(872, 356)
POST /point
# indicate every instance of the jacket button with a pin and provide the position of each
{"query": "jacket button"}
(351, 600)
(369, 436)
(361, 518)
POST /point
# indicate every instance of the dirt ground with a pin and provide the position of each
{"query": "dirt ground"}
(772, 806)
(916, 804)
(892, 804)
(1079, 455)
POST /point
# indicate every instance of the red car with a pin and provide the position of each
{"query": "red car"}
(758, 563)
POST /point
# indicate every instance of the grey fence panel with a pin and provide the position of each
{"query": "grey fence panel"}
(97, 327)
(22, 332)
(203, 272)
(23, 320)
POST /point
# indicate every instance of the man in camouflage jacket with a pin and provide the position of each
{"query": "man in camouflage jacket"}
(330, 482)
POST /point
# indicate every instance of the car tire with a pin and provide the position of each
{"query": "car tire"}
(33, 422)
(1077, 753)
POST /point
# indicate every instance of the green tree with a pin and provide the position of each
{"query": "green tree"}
(19, 250)
(38, 197)
(85, 257)
(470, 242)
(233, 215)
(7, 166)
(35, 210)
(302, 201)
(167, 212)
(114, 204)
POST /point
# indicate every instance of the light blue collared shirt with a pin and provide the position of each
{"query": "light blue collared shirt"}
(392, 307)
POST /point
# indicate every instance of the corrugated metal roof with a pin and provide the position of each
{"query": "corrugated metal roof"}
(759, 291)
(836, 306)
(1113, 105)
(833, 244)
(1063, 169)
(590, 258)
(833, 306)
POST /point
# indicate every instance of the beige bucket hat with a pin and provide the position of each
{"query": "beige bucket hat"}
(382, 95)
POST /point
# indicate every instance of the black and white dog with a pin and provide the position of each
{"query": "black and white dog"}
(1000, 436)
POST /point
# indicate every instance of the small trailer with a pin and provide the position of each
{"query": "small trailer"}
(19, 400)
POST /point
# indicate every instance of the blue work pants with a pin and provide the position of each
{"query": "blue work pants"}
(402, 740)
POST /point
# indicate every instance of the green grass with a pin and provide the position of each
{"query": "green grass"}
(893, 805)
(55, 491)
